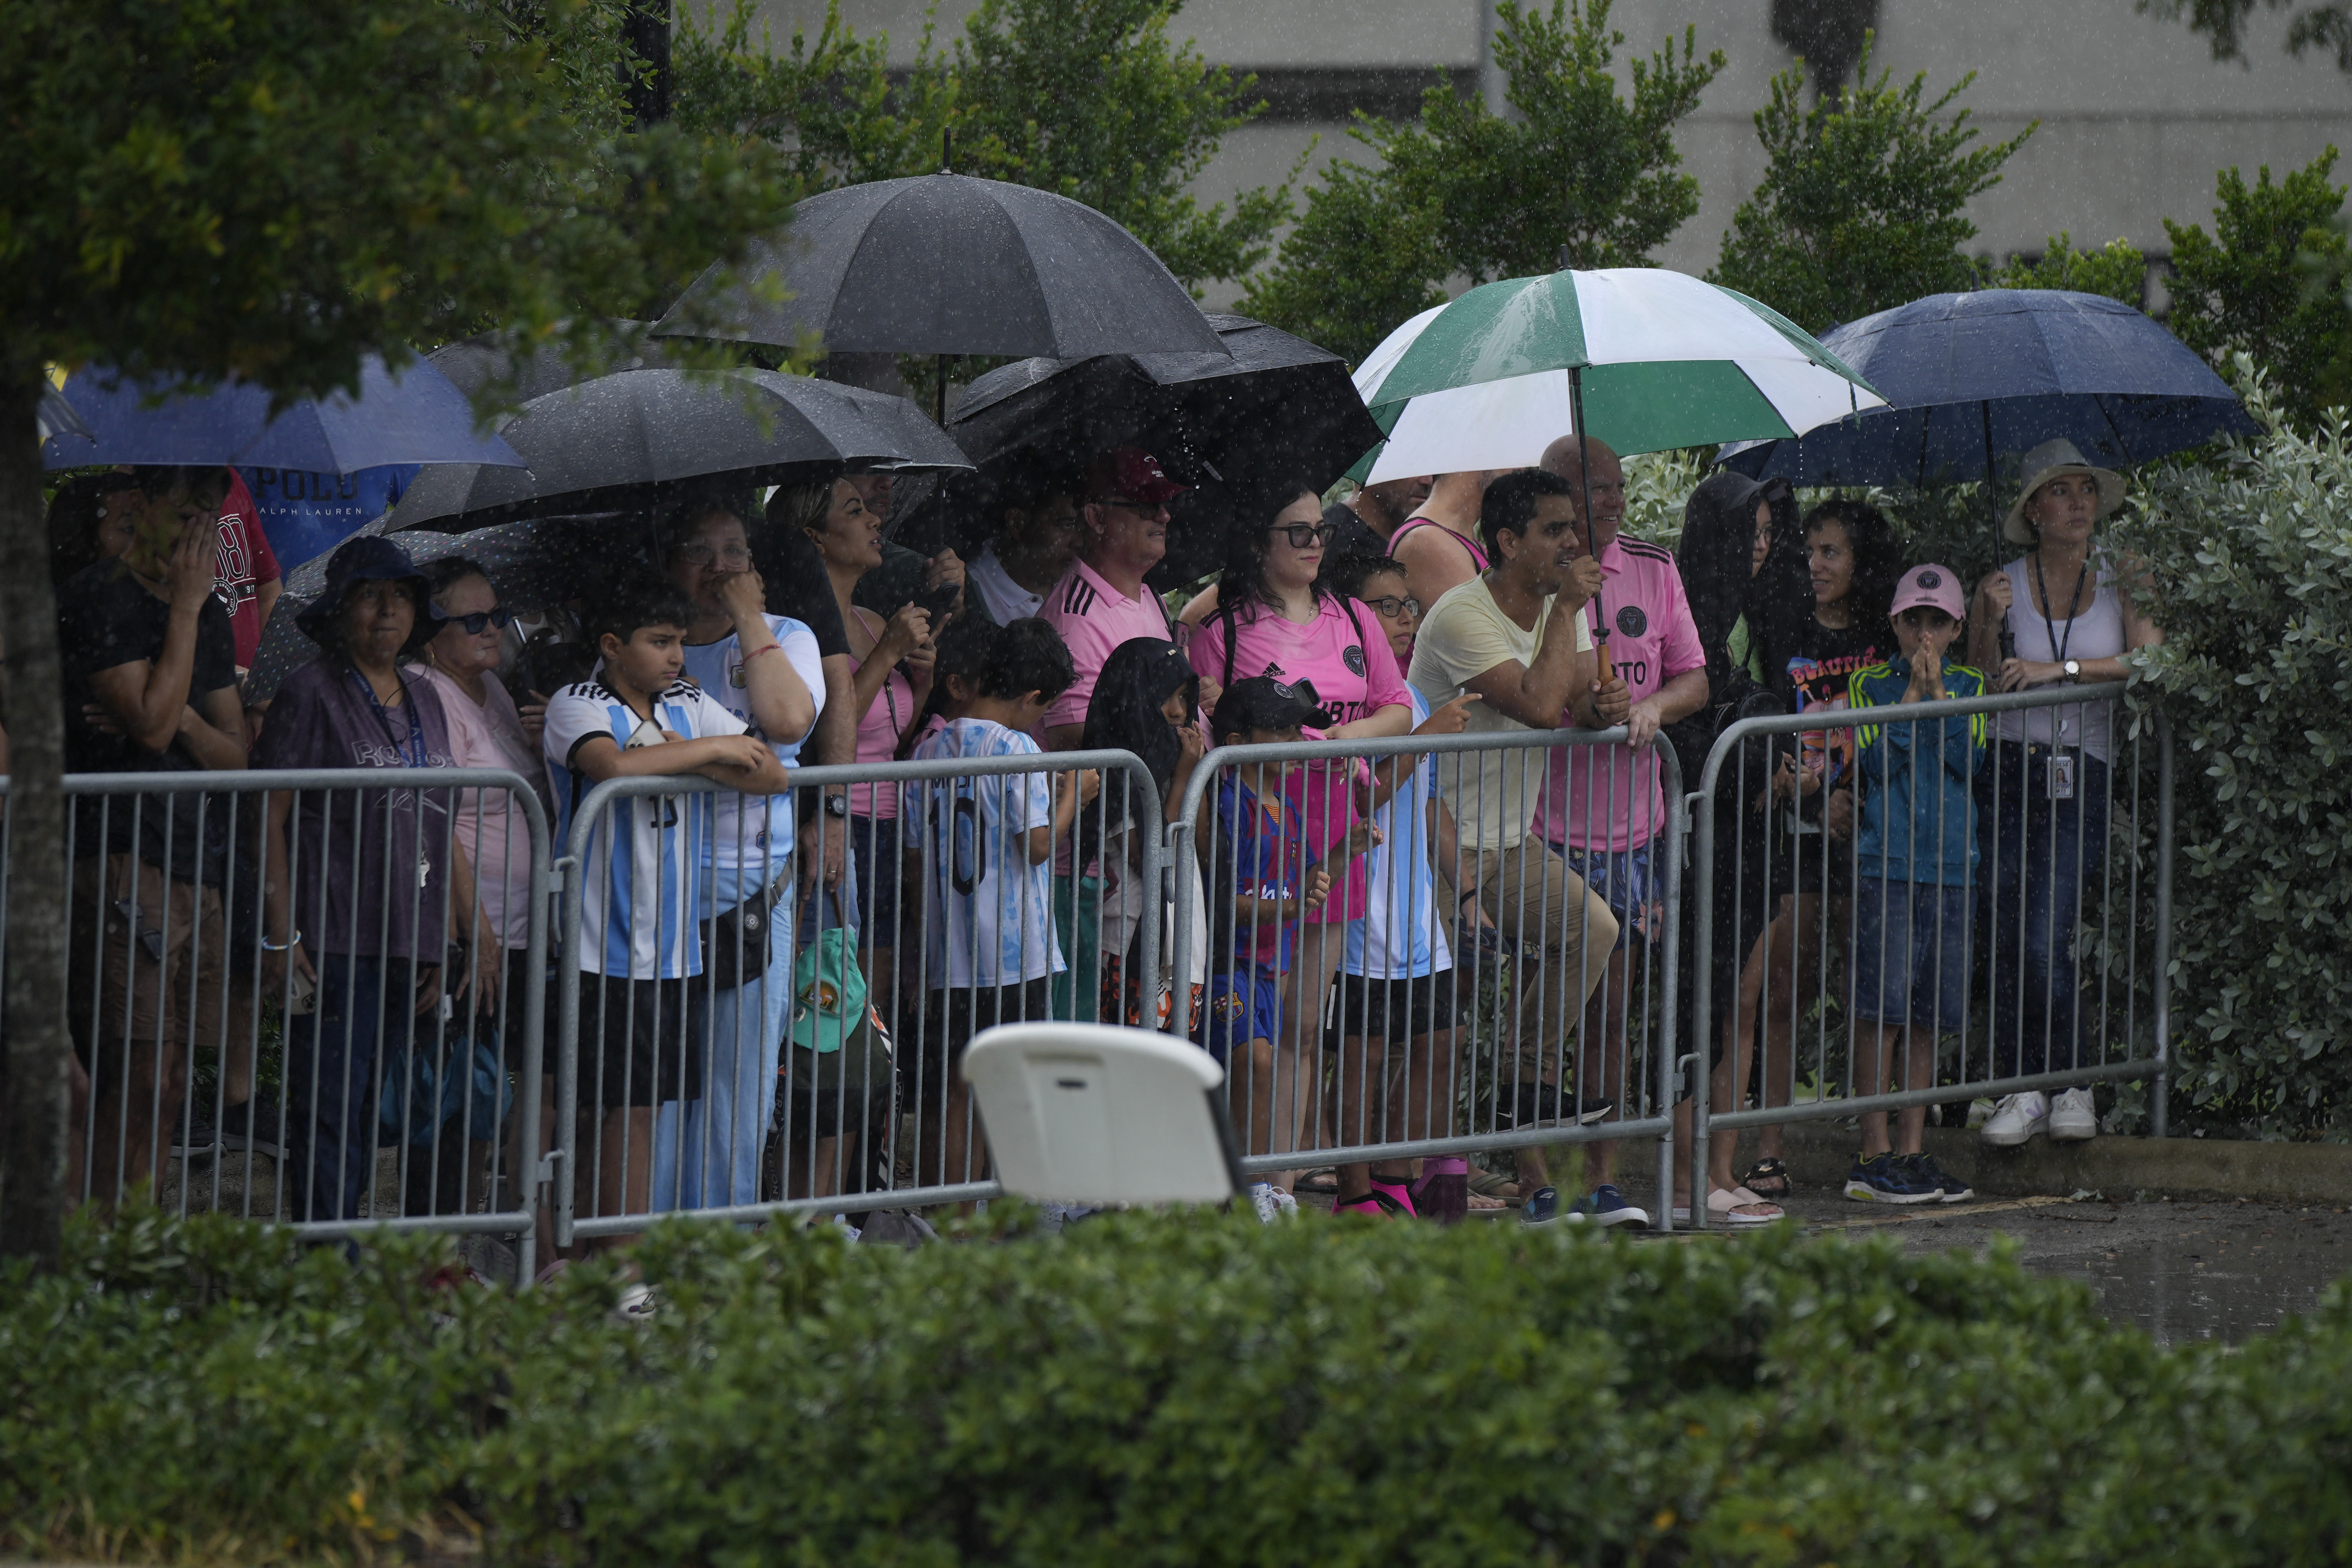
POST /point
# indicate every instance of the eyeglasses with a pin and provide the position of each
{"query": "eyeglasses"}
(480, 621)
(1306, 535)
(1391, 607)
(736, 556)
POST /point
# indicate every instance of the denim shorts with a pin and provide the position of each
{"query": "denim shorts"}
(875, 842)
(1911, 954)
(1622, 877)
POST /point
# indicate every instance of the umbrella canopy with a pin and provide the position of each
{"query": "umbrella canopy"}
(1653, 360)
(1970, 378)
(531, 564)
(1271, 404)
(414, 415)
(56, 417)
(943, 264)
(615, 440)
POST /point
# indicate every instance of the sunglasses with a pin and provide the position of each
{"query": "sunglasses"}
(1391, 607)
(480, 621)
(1306, 535)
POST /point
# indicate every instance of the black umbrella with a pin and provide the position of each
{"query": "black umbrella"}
(533, 565)
(943, 264)
(617, 440)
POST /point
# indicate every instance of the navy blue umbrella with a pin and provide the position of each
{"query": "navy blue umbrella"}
(415, 415)
(1971, 378)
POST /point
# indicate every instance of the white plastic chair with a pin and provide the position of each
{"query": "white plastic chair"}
(1094, 1113)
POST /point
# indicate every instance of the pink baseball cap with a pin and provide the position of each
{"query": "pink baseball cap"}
(1932, 585)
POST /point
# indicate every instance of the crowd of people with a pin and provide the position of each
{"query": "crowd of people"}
(773, 985)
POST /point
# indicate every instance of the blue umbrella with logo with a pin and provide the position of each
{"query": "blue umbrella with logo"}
(1971, 378)
(414, 415)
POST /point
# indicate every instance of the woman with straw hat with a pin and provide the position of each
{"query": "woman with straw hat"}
(2070, 616)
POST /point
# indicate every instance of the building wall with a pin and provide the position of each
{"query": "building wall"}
(2136, 116)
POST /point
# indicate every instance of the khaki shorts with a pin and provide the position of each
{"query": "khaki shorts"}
(156, 950)
(1563, 933)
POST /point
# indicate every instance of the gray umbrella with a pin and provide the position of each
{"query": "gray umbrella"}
(621, 440)
(533, 565)
(943, 264)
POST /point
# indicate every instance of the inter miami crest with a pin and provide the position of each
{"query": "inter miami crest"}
(1631, 621)
(1353, 657)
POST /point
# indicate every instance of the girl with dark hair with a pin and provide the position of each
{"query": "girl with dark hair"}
(1147, 701)
(986, 844)
(1277, 619)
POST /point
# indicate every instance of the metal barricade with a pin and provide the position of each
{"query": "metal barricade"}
(367, 1081)
(1987, 911)
(844, 1098)
(1399, 1020)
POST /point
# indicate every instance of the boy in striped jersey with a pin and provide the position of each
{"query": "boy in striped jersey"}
(641, 865)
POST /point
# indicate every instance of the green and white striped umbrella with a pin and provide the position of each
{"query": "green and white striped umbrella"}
(1655, 360)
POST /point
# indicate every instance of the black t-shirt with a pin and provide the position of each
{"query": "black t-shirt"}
(1356, 537)
(1811, 671)
(788, 562)
(105, 618)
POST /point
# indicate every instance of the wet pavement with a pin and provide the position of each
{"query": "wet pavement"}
(2179, 1270)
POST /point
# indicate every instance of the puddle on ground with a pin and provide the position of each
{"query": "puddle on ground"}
(2201, 1292)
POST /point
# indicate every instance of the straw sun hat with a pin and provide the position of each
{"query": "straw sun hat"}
(2047, 462)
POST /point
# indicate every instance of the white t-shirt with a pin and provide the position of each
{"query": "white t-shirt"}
(989, 919)
(1399, 936)
(2096, 632)
(1465, 635)
(637, 907)
(1007, 601)
(743, 826)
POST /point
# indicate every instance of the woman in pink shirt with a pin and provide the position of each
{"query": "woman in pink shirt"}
(892, 681)
(1275, 618)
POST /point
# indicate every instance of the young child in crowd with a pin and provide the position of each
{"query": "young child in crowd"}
(986, 851)
(642, 868)
(1266, 878)
(1915, 856)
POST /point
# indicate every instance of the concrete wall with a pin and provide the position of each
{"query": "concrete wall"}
(2136, 116)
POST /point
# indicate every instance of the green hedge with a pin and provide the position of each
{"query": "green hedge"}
(2252, 557)
(1148, 1389)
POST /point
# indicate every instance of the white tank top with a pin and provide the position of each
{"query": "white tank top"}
(2096, 633)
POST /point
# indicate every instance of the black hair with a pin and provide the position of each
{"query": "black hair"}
(633, 602)
(1716, 552)
(73, 522)
(1509, 506)
(447, 571)
(1877, 557)
(161, 480)
(1027, 655)
(1242, 583)
(965, 648)
(1123, 714)
(676, 520)
(1347, 575)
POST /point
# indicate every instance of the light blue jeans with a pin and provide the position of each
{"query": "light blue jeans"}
(706, 1151)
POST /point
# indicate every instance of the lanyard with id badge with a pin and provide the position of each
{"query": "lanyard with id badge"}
(2061, 758)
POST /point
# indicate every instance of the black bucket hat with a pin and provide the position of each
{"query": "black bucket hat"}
(365, 559)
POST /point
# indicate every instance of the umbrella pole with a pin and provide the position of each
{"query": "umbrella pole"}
(939, 415)
(1584, 483)
(2008, 642)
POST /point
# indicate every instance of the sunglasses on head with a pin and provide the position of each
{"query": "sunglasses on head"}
(480, 621)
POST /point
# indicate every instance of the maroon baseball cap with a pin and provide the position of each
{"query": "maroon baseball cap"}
(1129, 473)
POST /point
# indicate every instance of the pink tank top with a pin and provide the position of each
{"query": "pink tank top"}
(1462, 540)
(879, 728)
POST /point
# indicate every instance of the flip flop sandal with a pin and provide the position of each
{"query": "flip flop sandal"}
(1767, 1179)
(1395, 1194)
(1722, 1208)
(1375, 1203)
(1487, 1185)
(1323, 1180)
(1479, 1203)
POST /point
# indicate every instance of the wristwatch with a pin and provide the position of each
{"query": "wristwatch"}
(836, 805)
(2073, 670)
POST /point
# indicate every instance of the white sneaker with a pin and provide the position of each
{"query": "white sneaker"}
(2074, 1117)
(1272, 1204)
(2016, 1119)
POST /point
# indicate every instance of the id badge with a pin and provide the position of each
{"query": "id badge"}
(2062, 776)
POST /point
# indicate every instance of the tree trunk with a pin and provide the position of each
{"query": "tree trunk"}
(33, 1140)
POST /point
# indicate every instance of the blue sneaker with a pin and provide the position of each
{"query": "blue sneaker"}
(1950, 1188)
(1605, 1206)
(1541, 1207)
(1884, 1179)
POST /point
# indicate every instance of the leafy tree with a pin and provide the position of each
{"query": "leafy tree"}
(2326, 27)
(1861, 205)
(268, 189)
(2268, 281)
(1091, 99)
(1463, 191)
(2118, 270)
